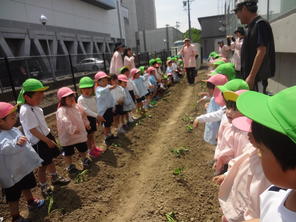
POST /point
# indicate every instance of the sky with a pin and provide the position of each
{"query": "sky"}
(170, 11)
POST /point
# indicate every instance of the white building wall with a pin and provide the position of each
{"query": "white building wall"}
(73, 14)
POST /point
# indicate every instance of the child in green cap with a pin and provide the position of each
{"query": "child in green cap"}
(38, 133)
(274, 135)
(87, 100)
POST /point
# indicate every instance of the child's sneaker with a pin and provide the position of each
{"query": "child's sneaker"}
(86, 163)
(21, 219)
(46, 190)
(35, 204)
(59, 181)
(121, 130)
(95, 152)
(72, 170)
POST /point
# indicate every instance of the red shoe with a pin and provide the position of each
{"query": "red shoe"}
(95, 153)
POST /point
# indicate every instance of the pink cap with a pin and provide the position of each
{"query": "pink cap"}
(217, 80)
(243, 123)
(100, 75)
(134, 71)
(64, 92)
(151, 69)
(122, 78)
(6, 109)
(218, 97)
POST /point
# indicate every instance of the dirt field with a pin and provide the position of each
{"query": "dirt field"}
(134, 181)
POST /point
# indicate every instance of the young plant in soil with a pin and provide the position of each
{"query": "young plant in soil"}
(81, 177)
(178, 152)
(187, 119)
(171, 217)
(50, 202)
(178, 171)
(189, 128)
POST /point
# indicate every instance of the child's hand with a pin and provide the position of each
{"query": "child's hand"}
(51, 144)
(88, 127)
(101, 119)
(21, 140)
(195, 123)
(219, 179)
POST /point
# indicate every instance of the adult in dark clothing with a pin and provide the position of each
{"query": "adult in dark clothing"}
(257, 53)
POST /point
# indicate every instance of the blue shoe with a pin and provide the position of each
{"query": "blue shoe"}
(36, 204)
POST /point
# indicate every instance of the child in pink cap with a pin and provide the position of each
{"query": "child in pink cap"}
(139, 82)
(18, 159)
(232, 140)
(128, 102)
(105, 104)
(212, 125)
(72, 123)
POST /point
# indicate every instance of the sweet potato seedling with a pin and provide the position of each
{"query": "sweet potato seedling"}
(171, 217)
(187, 119)
(50, 202)
(178, 171)
(189, 128)
(179, 151)
(81, 177)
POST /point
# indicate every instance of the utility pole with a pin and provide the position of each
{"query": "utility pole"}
(187, 3)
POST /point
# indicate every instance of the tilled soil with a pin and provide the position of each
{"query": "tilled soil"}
(134, 180)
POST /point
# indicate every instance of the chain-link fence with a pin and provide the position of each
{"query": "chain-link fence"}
(56, 71)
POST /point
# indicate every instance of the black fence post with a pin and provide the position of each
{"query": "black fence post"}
(10, 78)
(72, 72)
(105, 66)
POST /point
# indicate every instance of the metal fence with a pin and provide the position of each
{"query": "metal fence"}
(57, 71)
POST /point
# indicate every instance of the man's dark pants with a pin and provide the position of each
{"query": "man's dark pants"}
(191, 73)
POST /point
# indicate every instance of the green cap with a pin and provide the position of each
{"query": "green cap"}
(169, 58)
(234, 85)
(214, 55)
(158, 60)
(226, 69)
(86, 82)
(30, 85)
(219, 62)
(152, 61)
(174, 59)
(275, 112)
(123, 69)
(142, 69)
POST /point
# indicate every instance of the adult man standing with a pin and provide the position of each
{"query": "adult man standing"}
(257, 53)
(189, 55)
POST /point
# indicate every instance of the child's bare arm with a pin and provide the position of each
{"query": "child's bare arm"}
(35, 132)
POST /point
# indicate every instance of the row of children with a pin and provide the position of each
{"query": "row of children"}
(255, 138)
(109, 100)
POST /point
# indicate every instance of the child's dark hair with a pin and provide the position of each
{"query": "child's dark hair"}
(210, 85)
(63, 100)
(126, 51)
(282, 147)
(230, 105)
(124, 70)
(29, 94)
(113, 77)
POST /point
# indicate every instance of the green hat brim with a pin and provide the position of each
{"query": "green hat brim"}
(40, 89)
(255, 106)
(84, 86)
(222, 88)
(21, 99)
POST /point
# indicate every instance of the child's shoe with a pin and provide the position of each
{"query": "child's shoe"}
(21, 219)
(58, 180)
(35, 204)
(86, 163)
(46, 190)
(72, 170)
(121, 130)
(95, 152)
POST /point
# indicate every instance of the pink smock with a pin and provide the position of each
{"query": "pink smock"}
(244, 182)
(70, 120)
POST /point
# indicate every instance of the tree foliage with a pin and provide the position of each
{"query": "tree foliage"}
(195, 34)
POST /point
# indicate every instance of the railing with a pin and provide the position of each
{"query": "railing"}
(56, 71)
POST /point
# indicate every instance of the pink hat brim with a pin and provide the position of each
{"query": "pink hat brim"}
(243, 123)
(218, 97)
